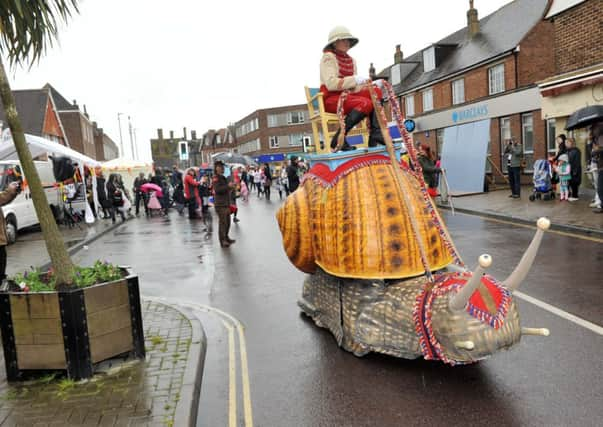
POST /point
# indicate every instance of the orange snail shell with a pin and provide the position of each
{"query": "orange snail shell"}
(360, 227)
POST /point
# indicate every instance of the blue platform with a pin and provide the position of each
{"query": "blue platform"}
(334, 160)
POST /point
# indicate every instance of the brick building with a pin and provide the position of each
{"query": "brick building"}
(105, 148)
(267, 135)
(166, 152)
(78, 127)
(577, 80)
(485, 72)
(38, 114)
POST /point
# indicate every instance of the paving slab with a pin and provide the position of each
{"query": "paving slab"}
(162, 390)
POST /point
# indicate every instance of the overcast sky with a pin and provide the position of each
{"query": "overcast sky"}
(203, 65)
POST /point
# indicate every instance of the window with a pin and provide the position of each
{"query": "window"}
(428, 99)
(458, 91)
(505, 135)
(218, 139)
(307, 142)
(527, 138)
(429, 59)
(409, 102)
(496, 78)
(550, 136)
(295, 117)
(274, 142)
(296, 140)
(396, 75)
(272, 120)
(250, 146)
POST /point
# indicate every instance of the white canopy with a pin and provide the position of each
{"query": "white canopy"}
(38, 146)
(128, 169)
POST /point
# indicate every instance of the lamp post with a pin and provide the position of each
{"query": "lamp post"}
(131, 139)
(121, 141)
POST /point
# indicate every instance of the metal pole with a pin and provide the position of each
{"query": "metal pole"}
(121, 141)
(131, 139)
(135, 145)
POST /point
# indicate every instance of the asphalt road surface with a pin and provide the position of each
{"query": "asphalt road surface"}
(268, 365)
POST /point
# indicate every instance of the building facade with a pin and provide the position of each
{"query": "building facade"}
(105, 148)
(485, 72)
(181, 151)
(578, 78)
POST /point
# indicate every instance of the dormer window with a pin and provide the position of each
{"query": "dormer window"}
(429, 61)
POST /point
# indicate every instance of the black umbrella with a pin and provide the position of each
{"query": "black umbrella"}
(230, 158)
(584, 117)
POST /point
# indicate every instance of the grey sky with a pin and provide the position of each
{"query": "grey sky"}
(205, 64)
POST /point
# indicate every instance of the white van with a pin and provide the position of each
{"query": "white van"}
(20, 213)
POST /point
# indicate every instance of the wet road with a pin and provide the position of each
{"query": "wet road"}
(299, 377)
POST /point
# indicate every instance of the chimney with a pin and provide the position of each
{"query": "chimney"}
(86, 112)
(193, 135)
(184, 133)
(472, 21)
(398, 56)
(75, 103)
(372, 73)
(159, 133)
(171, 134)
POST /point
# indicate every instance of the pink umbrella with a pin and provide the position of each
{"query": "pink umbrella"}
(149, 186)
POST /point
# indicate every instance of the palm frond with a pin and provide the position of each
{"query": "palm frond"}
(29, 27)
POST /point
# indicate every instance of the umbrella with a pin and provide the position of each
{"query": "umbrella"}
(230, 158)
(584, 117)
(149, 186)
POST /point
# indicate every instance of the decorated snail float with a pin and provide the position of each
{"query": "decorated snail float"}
(383, 273)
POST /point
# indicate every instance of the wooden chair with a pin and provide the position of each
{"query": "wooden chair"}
(324, 124)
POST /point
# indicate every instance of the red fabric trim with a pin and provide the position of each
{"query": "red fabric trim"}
(325, 175)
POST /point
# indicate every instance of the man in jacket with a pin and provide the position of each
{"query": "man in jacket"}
(139, 196)
(6, 197)
(292, 175)
(513, 154)
(575, 161)
(222, 189)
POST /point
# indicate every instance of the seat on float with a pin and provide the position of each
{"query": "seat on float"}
(324, 124)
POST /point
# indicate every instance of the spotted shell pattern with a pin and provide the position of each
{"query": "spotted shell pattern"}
(360, 227)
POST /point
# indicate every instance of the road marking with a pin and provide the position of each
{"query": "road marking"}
(557, 311)
(232, 376)
(533, 227)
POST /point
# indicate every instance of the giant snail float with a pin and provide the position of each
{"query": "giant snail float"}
(383, 273)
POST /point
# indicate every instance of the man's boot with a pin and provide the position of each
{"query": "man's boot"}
(375, 135)
(352, 119)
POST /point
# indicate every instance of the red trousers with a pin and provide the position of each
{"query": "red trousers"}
(359, 101)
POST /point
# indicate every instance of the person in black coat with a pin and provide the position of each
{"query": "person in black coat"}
(292, 175)
(116, 196)
(101, 194)
(575, 161)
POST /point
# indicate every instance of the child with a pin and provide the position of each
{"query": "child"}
(564, 172)
(244, 191)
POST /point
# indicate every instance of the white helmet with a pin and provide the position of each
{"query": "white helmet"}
(340, 33)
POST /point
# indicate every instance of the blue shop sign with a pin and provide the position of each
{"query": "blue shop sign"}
(479, 111)
(267, 158)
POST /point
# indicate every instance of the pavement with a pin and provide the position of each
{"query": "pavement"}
(575, 217)
(162, 390)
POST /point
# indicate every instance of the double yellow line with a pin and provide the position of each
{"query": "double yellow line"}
(232, 325)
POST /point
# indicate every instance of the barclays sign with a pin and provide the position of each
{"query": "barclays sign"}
(473, 113)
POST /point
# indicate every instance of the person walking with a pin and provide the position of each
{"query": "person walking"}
(6, 197)
(429, 168)
(285, 180)
(257, 181)
(101, 194)
(267, 180)
(575, 161)
(139, 196)
(293, 175)
(222, 197)
(115, 194)
(190, 192)
(514, 152)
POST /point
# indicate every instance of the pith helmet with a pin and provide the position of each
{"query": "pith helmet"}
(341, 33)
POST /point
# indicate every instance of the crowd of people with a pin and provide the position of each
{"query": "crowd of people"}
(194, 191)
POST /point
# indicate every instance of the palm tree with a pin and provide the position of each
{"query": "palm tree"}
(27, 28)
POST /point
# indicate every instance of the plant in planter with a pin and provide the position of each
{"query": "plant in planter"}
(70, 323)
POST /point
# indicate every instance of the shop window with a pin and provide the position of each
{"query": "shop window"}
(505, 136)
(527, 138)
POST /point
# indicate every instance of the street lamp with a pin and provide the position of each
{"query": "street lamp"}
(121, 141)
(131, 139)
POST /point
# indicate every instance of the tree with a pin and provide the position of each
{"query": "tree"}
(27, 28)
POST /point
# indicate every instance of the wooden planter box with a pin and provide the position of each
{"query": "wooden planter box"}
(71, 330)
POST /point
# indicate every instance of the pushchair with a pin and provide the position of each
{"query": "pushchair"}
(542, 179)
